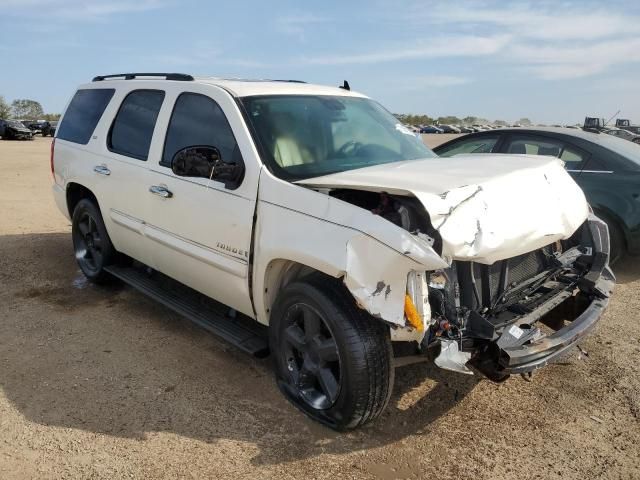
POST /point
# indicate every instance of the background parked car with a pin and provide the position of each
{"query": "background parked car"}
(44, 126)
(431, 129)
(625, 124)
(413, 128)
(14, 130)
(607, 169)
(31, 125)
(449, 129)
(624, 134)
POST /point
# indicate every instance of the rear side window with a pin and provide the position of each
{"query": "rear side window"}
(483, 144)
(198, 120)
(133, 126)
(574, 158)
(535, 146)
(83, 114)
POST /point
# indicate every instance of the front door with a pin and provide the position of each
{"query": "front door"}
(201, 229)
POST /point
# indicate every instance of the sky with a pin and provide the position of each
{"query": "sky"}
(550, 61)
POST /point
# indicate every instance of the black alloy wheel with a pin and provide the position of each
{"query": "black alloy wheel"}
(332, 359)
(91, 242)
(311, 356)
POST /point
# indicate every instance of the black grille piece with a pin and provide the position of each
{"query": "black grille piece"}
(481, 285)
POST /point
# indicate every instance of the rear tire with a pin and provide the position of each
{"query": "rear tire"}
(91, 243)
(332, 360)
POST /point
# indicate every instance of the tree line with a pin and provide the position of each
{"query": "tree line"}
(25, 109)
(412, 119)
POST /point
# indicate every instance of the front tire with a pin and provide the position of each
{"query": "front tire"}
(91, 243)
(332, 360)
(617, 243)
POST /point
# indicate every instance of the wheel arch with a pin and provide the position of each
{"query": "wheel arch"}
(281, 272)
(76, 192)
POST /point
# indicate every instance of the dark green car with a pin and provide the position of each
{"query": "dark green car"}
(607, 169)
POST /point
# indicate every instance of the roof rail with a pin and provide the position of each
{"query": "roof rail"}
(182, 77)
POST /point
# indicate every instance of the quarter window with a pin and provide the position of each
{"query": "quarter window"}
(572, 157)
(133, 126)
(197, 120)
(83, 114)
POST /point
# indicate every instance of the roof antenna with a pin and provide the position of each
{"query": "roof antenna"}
(345, 86)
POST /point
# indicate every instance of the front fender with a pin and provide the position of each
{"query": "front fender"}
(371, 255)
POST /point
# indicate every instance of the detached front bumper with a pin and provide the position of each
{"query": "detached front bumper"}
(517, 357)
(521, 346)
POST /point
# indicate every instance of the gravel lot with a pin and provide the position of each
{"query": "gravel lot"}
(102, 383)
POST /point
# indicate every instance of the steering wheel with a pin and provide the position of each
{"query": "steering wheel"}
(349, 149)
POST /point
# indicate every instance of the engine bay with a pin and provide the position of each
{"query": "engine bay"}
(405, 212)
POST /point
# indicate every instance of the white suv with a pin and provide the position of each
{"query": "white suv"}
(309, 222)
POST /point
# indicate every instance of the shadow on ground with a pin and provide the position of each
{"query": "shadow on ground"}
(627, 269)
(109, 361)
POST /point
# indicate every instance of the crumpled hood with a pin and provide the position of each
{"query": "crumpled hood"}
(486, 207)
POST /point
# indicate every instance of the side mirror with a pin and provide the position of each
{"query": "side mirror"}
(206, 162)
(195, 161)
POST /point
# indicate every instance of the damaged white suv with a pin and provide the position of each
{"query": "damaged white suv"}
(307, 221)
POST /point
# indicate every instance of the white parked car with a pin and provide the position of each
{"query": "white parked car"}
(306, 221)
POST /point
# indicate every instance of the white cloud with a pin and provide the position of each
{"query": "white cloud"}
(296, 24)
(562, 62)
(452, 46)
(75, 10)
(201, 55)
(547, 21)
(551, 40)
(423, 82)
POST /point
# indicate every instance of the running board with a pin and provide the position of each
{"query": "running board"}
(237, 329)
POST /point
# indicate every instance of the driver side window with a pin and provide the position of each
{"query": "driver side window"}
(483, 144)
(198, 121)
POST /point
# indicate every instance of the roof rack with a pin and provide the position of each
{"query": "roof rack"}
(181, 77)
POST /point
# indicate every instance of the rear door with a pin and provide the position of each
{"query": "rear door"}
(121, 172)
(200, 228)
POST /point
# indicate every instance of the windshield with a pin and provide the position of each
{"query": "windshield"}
(15, 124)
(309, 136)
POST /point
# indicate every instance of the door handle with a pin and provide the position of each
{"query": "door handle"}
(161, 191)
(102, 170)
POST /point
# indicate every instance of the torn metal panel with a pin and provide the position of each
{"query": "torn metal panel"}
(451, 358)
(508, 205)
(377, 278)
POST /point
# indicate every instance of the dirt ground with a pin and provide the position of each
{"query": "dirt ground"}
(102, 383)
